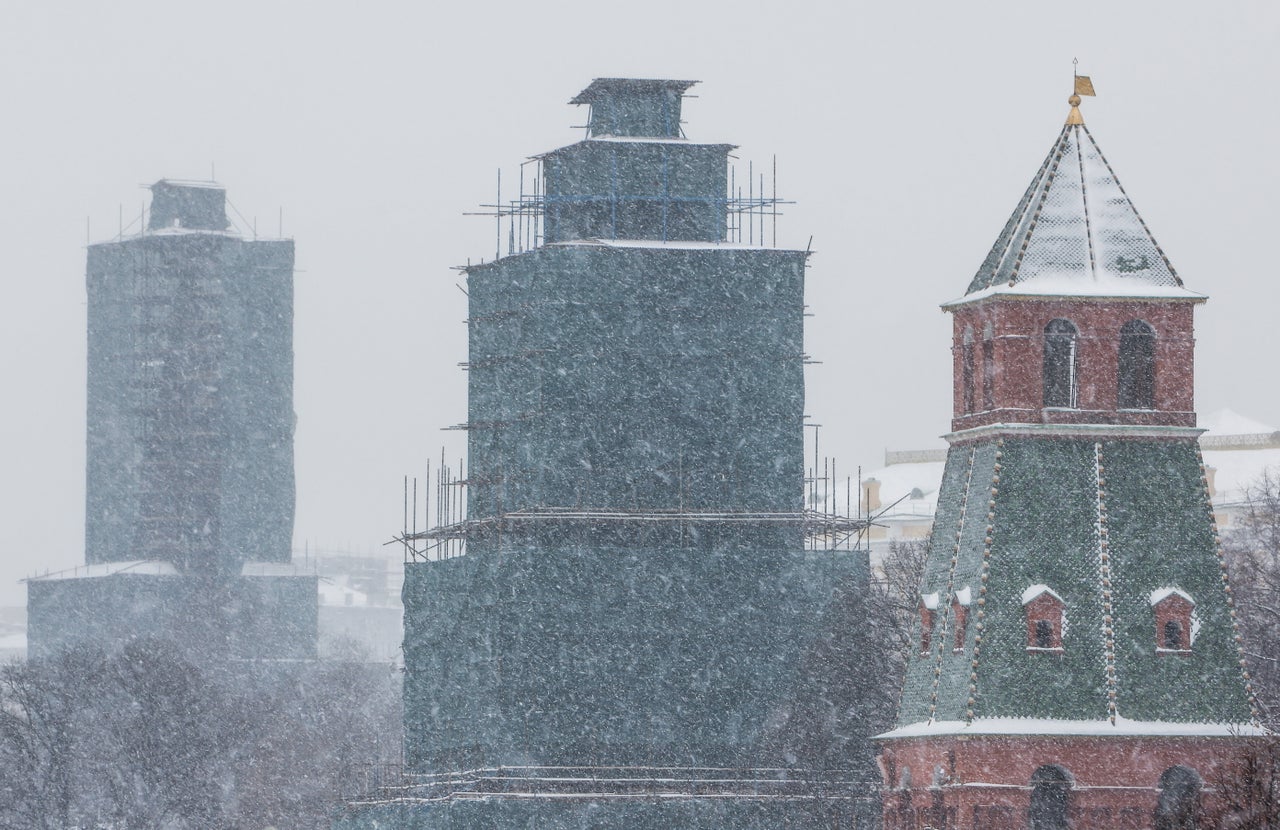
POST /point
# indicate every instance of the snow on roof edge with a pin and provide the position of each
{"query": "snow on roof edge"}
(1034, 591)
(1082, 728)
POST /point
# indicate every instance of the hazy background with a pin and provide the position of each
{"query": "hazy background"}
(906, 132)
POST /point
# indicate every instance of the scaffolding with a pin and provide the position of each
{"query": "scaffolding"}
(387, 784)
(751, 216)
(437, 525)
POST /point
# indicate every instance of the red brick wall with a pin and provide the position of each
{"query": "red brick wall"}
(988, 777)
(1018, 326)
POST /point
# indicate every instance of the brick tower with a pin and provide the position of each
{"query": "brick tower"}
(1078, 662)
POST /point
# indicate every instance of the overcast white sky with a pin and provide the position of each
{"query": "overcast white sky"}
(905, 131)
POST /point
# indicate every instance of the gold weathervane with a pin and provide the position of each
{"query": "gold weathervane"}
(1083, 86)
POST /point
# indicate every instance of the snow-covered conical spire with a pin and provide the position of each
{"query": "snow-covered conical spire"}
(1075, 231)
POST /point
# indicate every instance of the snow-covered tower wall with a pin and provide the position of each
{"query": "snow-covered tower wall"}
(635, 587)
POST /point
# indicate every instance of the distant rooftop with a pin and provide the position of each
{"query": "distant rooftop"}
(640, 107)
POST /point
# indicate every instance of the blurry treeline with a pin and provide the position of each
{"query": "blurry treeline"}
(141, 738)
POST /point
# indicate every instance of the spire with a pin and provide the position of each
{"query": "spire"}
(1083, 86)
(1075, 229)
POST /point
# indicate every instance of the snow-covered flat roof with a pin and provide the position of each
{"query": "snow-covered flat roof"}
(139, 567)
(275, 569)
(900, 482)
(670, 244)
(635, 139)
(1083, 728)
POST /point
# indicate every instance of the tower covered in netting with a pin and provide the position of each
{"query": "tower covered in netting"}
(637, 610)
(189, 464)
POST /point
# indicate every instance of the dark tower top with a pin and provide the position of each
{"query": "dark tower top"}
(190, 205)
(634, 106)
(635, 177)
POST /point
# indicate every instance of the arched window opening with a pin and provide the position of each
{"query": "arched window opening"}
(1137, 369)
(988, 368)
(1173, 635)
(1178, 807)
(1060, 364)
(1050, 798)
(966, 368)
(1044, 634)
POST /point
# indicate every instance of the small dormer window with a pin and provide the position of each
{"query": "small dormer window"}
(1175, 619)
(928, 612)
(960, 610)
(1046, 614)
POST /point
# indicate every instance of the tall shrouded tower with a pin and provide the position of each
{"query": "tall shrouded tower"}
(631, 588)
(1077, 658)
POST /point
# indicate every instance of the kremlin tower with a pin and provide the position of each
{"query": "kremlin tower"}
(1078, 662)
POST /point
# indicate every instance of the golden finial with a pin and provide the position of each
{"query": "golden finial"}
(1083, 86)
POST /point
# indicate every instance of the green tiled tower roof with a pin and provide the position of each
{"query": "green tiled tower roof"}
(1105, 524)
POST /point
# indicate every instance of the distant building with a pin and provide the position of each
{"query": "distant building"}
(360, 613)
(1078, 660)
(189, 485)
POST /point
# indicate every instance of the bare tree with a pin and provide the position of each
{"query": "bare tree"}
(142, 739)
(897, 605)
(1251, 795)
(1252, 550)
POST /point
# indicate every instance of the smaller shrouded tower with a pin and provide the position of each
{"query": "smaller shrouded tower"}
(189, 477)
(190, 439)
(1077, 660)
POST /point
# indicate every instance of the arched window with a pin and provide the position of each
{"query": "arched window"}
(1060, 364)
(988, 368)
(1137, 369)
(1044, 634)
(1173, 635)
(1050, 798)
(1178, 807)
(966, 368)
